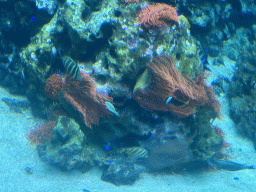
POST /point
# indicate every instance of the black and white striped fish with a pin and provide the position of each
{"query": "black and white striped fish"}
(71, 68)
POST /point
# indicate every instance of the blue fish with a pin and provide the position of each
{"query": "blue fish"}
(111, 108)
(107, 147)
(32, 19)
(169, 99)
(59, 73)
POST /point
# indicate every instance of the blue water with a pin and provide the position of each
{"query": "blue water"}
(111, 46)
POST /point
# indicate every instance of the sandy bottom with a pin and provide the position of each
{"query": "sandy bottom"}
(16, 155)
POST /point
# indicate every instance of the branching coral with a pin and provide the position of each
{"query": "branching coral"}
(82, 95)
(163, 88)
(42, 133)
(158, 16)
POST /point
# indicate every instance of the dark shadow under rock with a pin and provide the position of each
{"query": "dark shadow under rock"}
(122, 173)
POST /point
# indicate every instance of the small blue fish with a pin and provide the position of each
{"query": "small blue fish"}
(32, 19)
(169, 99)
(59, 73)
(111, 108)
(107, 147)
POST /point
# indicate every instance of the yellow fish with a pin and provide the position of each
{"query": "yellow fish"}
(134, 152)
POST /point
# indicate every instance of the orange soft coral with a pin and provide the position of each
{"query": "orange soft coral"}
(131, 1)
(42, 133)
(165, 89)
(53, 86)
(158, 16)
(81, 95)
(85, 98)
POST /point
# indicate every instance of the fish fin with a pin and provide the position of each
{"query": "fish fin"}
(250, 167)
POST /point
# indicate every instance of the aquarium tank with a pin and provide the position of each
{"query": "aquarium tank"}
(127, 95)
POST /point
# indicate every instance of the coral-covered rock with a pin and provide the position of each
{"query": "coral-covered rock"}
(162, 88)
(79, 95)
(122, 173)
(158, 15)
(68, 148)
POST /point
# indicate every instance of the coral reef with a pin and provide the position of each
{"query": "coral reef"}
(68, 148)
(49, 5)
(162, 82)
(242, 90)
(53, 86)
(82, 95)
(85, 98)
(42, 133)
(158, 15)
(17, 106)
(114, 42)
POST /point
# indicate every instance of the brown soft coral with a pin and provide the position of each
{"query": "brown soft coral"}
(85, 98)
(131, 1)
(53, 86)
(42, 133)
(158, 16)
(163, 88)
(81, 95)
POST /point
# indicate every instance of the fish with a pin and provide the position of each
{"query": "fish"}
(168, 100)
(72, 68)
(134, 152)
(167, 149)
(107, 147)
(111, 108)
(228, 165)
(32, 19)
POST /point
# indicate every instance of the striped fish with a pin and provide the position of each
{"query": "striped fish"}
(134, 152)
(71, 68)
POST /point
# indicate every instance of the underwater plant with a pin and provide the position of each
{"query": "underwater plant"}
(158, 16)
(163, 88)
(53, 86)
(81, 95)
(42, 133)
